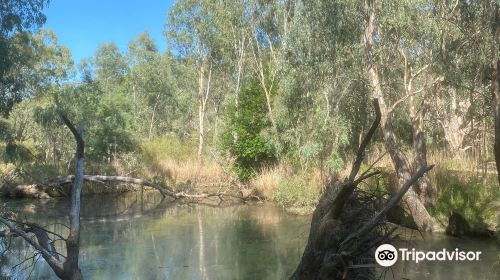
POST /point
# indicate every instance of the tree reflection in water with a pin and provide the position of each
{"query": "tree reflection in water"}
(139, 236)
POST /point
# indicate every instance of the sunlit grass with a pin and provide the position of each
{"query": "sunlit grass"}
(267, 181)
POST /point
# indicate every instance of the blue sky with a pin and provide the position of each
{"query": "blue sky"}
(83, 25)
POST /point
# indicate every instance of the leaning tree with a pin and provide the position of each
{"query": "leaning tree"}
(347, 223)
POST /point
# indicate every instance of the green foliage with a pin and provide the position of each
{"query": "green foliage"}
(225, 56)
(114, 133)
(5, 130)
(15, 152)
(151, 82)
(243, 135)
(17, 19)
(110, 64)
(476, 199)
(297, 193)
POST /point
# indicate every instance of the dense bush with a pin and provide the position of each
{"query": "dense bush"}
(243, 136)
(113, 133)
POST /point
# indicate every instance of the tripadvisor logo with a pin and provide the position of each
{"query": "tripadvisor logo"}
(387, 255)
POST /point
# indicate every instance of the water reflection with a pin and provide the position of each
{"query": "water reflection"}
(488, 267)
(139, 236)
(134, 237)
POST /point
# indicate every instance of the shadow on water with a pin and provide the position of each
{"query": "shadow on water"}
(139, 236)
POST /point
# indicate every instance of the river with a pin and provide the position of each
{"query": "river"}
(137, 236)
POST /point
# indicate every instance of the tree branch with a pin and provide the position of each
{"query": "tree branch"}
(370, 225)
(350, 185)
(44, 251)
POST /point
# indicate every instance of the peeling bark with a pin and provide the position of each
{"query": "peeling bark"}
(425, 190)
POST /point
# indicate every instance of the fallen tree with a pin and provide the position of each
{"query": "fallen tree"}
(58, 186)
(347, 224)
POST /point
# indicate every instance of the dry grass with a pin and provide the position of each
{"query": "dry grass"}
(170, 159)
(7, 173)
(296, 190)
(462, 162)
(266, 182)
(188, 172)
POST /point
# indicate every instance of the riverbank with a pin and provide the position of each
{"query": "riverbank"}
(467, 196)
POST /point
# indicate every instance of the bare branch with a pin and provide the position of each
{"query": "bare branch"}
(45, 252)
(350, 185)
(402, 99)
(361, 150)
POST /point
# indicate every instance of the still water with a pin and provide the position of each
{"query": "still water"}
(137, 236)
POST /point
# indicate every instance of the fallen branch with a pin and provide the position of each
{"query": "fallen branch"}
(42, 190)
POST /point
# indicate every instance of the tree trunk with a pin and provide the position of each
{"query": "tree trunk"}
(203, 94)
(152, 122)
(453, 121)
(495, 86)
(345, 226)
(425, 190)
(201, 131)
(418, 211)
(71, 268)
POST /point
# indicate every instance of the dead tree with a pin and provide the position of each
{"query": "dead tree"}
(58, 186)
(65, 267)
(345, 226)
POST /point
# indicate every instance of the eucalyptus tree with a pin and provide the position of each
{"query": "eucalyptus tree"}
(17, 20)
(193, 32)
(405, 55)
(462, 57)
(375, 41)
(322, 84)
(50, 67)
(153, 87)
(268, 27)
(110, 67)
(142, 53)
(100, 99)
(495, 81)
(493, 10)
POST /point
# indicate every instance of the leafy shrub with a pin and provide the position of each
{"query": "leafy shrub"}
(297, 194)
(243, 136)
(113, 134)
(16, 152)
